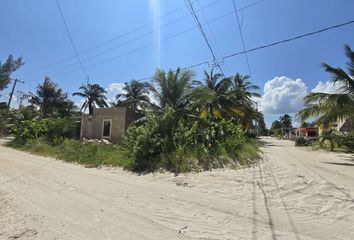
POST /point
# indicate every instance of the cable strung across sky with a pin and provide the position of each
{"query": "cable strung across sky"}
(71, 40)
(196, 19)
(27, 74)
(241, 35)
(268, 45)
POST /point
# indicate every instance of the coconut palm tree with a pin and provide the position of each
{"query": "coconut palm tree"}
(241, 92)
(48, 98)
(286, 123)
(173, 88)
(135, 95)
(210, 97)
(94, 96)
(242, 88)
(330, 107)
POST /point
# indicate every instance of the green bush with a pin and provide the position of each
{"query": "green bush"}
(92, 154)
(301, 142)
(87, 154)
(166, 141)
(347, 141)
(51, 130)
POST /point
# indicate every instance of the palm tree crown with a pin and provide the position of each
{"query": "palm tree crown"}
(211, 96)
(329, 107)
(94, 96)
(50, 98)
(173, 88)
(135, 95)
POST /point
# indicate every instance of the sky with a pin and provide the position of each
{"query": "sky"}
(122, 40)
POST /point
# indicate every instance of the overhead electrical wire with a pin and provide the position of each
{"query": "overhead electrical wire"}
(121, 44)
(130, 32)
(132, 51)
(100, 45)
(210, 28)
(241, 35)
(71, 40)
(270, 44)
(259, 47)
(196, 19)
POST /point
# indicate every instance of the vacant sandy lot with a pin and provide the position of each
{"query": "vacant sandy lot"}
(293, 194)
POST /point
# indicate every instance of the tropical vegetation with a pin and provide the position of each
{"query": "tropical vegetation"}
(329, 108)
(94, 96)
(186, 124)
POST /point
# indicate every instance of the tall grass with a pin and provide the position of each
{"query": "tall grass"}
(87, 154)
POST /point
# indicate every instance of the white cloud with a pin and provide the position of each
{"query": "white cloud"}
(112, 90)
(327, 87)
(283, 95)
(115, 88)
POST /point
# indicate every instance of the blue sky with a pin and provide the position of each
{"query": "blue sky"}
(34, 30)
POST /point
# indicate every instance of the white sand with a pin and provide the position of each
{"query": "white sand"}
(293, 194)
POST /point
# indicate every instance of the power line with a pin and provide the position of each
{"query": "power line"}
(250, 5)
(195, 17)
(290, 39)
(71, 40)
(128, 33)
(120, 36)
(241, 35)
(262, 46)
(210, 29)
(135, 50)
(272, 44)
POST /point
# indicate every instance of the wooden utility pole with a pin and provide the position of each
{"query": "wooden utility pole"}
(12, 92)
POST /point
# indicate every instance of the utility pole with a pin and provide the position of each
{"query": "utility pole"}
(12, 92)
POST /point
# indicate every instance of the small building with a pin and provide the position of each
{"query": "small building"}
(107, 123)
(309, 132)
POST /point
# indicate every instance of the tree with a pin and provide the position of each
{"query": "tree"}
(261, 126)
(50, 99)
(276, 127)
(135, 95)
(6, 69)
(286, 123)
(243, 89)
(242, 92)
(211, 96)
(94, 96)
(330, 107)
(173, 88)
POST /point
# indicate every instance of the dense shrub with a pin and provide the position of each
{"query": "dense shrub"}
(92, 154)
(301, 142)
(87, 154)
(347, 141)
(51, 130)
(167, 141)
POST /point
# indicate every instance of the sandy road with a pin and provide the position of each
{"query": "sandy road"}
(292, 194)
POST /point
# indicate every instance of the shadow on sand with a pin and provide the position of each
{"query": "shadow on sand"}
(342, 164)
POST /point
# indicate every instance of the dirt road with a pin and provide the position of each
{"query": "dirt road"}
(292, 194)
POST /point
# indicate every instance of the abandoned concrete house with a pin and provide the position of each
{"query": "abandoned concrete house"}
(107, 123)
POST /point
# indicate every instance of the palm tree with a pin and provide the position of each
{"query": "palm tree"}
(330, 107)
(135, 95)
(242, 92)
(48, 97)
(173, 88)
(286, 123)
(211, 96)
(94, 96)
(242, 87)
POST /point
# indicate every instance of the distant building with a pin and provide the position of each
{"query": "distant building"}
(345, 125)
(308, 132)
(341, 126)
(107, 123)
